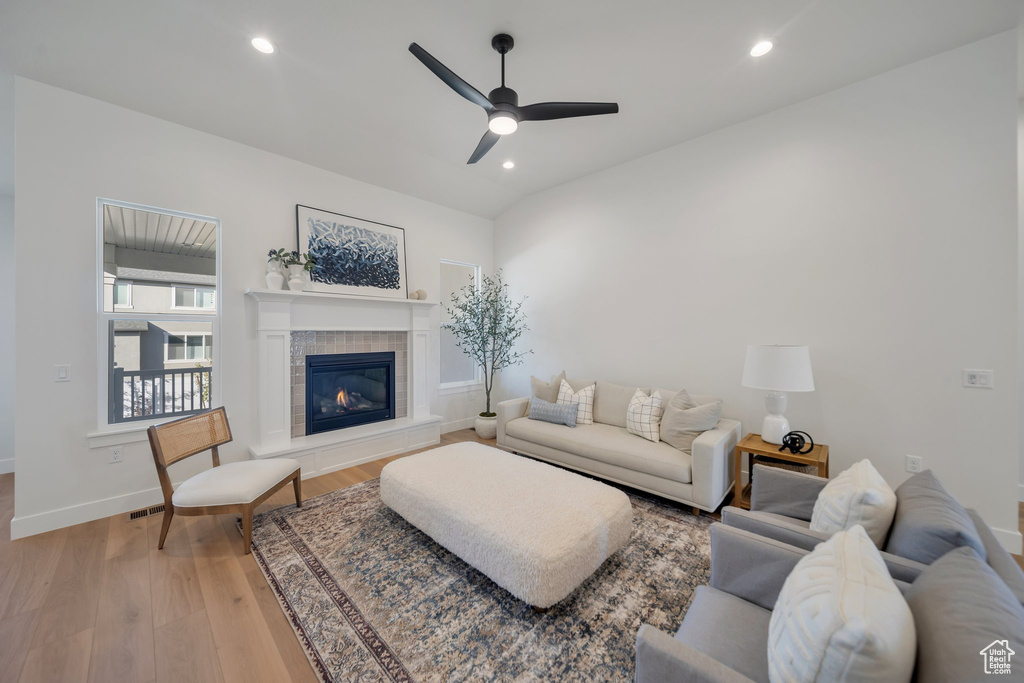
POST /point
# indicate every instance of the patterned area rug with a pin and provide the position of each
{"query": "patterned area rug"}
(373, 598)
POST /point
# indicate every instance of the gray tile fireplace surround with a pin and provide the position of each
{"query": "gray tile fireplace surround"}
(310, 343)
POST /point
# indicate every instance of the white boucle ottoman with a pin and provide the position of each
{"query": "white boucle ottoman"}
(535, 530)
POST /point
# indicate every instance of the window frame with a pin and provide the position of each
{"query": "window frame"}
(108, 432)
(196, 291)
(130, 303)
(465, 385)
(185, 336)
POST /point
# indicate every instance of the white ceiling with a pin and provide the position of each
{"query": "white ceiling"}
(343, 93)
(159, 232)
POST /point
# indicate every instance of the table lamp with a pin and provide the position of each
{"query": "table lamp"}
(777, 369)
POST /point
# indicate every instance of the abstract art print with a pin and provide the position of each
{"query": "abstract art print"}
(353, 255)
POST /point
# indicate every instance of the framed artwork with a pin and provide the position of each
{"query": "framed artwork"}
(353, 255)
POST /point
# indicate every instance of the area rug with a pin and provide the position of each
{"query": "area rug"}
(373, 598)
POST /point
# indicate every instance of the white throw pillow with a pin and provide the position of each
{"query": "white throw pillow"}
(840, 617)
(857, 496)
(643, 415)
(584, 399)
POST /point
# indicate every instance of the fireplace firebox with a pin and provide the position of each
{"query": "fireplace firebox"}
(348, 389)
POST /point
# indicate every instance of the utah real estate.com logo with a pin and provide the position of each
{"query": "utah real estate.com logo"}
(997, 657)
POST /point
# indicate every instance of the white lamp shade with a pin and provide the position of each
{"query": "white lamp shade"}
(778, 368)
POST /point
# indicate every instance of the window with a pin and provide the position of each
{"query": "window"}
(158, 274)
(457, 369)
(122, 294)
(194, 297)
(188, 347)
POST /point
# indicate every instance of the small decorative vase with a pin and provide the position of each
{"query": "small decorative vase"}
(275, 278)
(296, 278)
(486, 427)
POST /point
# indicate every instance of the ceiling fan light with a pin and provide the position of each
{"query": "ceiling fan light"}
(502, 123)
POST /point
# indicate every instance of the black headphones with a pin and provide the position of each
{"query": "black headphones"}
(794, 443)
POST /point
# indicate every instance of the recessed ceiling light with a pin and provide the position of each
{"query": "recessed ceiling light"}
(263, 45)
(509, 164)
(761, 49)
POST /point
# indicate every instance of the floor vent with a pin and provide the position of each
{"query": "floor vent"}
(145, 512)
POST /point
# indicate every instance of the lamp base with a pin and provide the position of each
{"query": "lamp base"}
(774, 428)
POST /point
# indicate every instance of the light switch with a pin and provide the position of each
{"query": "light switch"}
(978, 379)
(62, 373)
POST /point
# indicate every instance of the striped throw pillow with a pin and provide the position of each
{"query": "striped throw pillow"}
(583, 399)
(556, 413)
(643, 416)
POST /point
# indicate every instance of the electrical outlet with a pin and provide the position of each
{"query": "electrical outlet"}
(116, 455)
(915, 463)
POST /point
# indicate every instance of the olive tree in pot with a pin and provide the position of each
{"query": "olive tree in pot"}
(487, 323)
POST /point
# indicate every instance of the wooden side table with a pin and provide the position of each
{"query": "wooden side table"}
(753, 444)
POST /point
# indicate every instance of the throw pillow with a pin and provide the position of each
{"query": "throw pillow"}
(961, 606)
(582, 399)
(840, 617)
(684, 420)
(547, 391)
(643, 415)
(611, 401)
(930, 522)
(553, 412)
(859, 495)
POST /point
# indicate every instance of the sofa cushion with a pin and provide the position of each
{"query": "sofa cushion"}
(555, 413)
(840, 617)
(684, 420)
(605, 443)
(999, 559)
(611, 402)
(546, 391)
(929, 522)
(729, 630)
(578, 384)
(643, 416)
(961, 606)
(859, 495)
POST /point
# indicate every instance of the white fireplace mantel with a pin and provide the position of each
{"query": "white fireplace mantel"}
(281, 312)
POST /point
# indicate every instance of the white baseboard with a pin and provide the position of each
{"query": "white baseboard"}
(1020, 493)
(7, 466)
(456, 425)
(1011, 540)
(86, 512)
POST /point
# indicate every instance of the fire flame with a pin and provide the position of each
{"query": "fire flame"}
(342, 398)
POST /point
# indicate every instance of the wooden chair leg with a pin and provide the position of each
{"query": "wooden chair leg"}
(247, 528)
(168, 514)
(297, 483)
(696, 511)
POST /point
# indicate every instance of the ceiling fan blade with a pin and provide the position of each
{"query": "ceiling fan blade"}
(546, 111)
(484, 146)
(448, 76)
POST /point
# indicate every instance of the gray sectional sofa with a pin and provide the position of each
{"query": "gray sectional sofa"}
(701, 478)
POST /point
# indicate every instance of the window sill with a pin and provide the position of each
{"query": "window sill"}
(117, 436)
(459, 388)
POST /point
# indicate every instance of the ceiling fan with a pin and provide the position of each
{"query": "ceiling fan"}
(502, 104)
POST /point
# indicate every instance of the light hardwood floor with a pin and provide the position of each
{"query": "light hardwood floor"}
(98, 602)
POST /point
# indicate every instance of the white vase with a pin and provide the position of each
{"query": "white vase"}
(296, 278)
(486, 427)
(274, 277)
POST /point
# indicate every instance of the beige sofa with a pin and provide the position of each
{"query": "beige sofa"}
(605, 449)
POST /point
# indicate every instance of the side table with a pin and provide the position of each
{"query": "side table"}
(753, 444)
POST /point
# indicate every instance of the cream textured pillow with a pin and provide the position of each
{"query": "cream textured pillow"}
(859, 495)
(547, 391)
(584, 400)
(840, 617)
(643, 415)
(684, 420)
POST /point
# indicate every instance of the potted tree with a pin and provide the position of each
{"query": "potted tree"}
(487, 323)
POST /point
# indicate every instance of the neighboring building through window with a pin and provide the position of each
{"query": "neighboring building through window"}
(457, 369)
(158, 311)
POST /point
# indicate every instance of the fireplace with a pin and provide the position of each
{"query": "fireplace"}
(348, 389)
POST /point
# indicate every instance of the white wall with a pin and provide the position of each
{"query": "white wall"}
(876, 224)
(1020, 283)
(71, 150)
